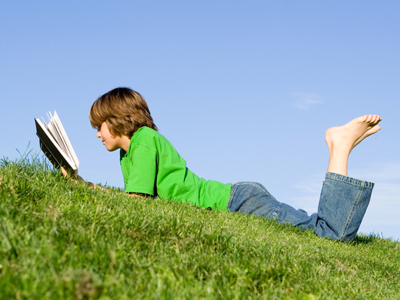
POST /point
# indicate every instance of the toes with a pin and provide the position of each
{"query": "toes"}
(377, 119)
(373, 119)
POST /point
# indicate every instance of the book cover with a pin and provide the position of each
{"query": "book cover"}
(55, 144)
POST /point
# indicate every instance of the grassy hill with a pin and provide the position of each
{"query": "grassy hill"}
(63, 240)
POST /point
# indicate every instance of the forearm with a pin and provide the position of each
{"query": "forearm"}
(78, 178)
(139, 195)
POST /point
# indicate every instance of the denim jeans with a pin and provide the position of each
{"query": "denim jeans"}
(341, 208)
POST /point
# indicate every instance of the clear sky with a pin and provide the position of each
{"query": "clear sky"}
(243, 89)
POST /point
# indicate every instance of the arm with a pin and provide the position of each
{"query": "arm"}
(90, 184)
(139, 195)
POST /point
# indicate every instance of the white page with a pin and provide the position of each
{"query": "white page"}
(56, 135)
(66, 139)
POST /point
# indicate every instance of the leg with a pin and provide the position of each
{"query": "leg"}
(343, 200)
(342, 206)
(254, 199)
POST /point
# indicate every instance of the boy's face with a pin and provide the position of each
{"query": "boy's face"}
(111, 142)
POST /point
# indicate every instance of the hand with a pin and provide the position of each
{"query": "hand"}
(66, 175)
(64, 172)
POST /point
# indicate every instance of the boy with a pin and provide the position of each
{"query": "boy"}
(152, 167)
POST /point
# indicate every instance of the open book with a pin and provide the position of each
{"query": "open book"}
(55, 143)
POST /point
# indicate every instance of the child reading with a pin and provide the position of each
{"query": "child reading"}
(152, 167)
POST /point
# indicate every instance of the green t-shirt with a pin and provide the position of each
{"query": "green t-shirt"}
(152, 166)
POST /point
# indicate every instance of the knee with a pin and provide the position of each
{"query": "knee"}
(251, 184)
(256, 187)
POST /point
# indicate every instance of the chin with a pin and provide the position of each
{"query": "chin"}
(112, 149)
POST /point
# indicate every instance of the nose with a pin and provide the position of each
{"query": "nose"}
(98, 134)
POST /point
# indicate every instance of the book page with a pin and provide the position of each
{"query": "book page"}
(56, 135)
(65, 138)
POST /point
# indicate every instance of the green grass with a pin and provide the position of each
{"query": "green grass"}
(62, 240)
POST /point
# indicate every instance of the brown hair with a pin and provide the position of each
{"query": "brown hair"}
(123, 110)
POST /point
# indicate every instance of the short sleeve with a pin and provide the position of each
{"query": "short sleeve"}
(143, 171)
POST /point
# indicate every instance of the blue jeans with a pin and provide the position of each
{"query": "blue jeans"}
(341, 208)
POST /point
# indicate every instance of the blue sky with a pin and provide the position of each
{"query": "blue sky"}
(243, 89)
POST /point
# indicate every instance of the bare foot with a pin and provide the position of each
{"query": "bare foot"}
(352, 133)
(342, 139)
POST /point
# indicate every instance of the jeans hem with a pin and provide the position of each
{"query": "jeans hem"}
(350, 180)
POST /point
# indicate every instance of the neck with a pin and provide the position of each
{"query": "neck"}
(125, 141)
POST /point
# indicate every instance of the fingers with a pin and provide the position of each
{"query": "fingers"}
(64, 172)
